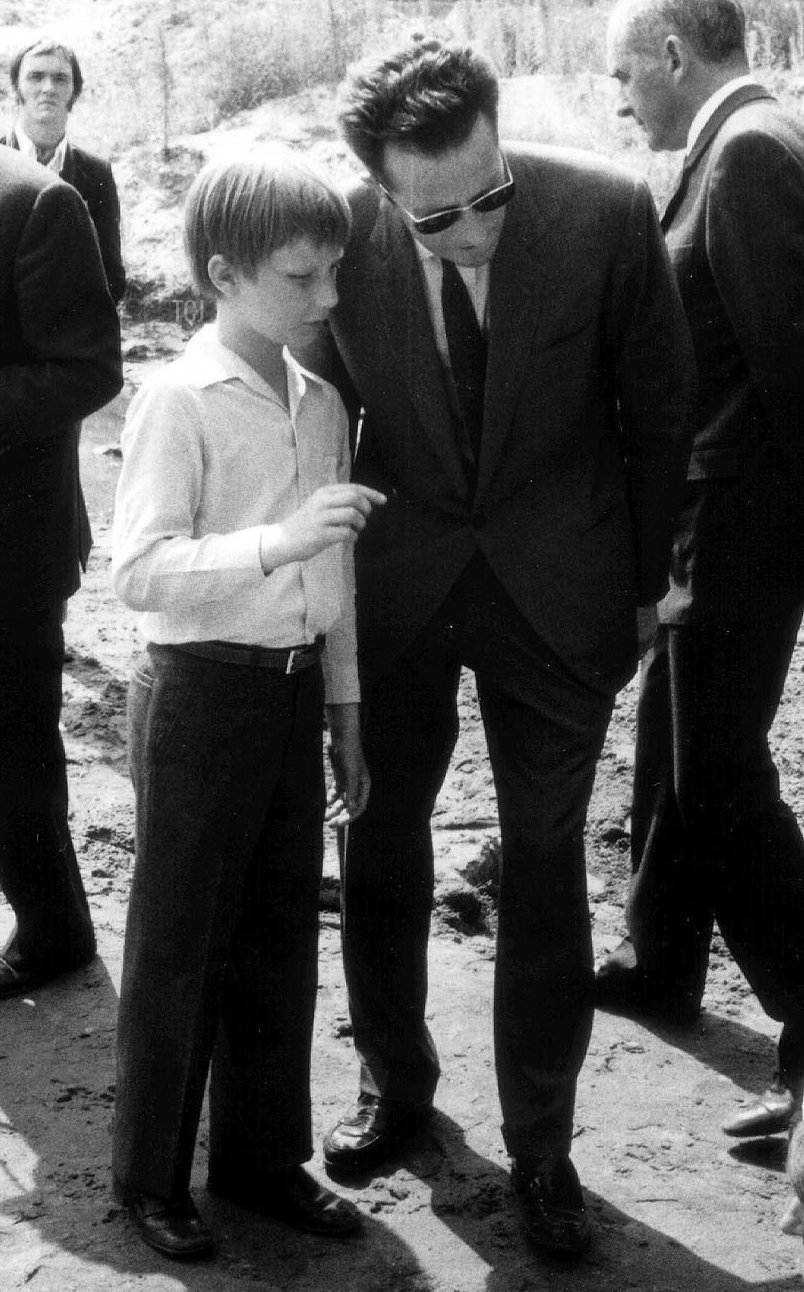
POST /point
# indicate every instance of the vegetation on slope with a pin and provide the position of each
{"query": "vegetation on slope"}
(168, 82)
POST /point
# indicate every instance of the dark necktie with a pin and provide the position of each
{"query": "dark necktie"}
(467, 352)
(677, 195)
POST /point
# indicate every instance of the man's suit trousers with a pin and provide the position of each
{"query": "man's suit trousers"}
(38, 869)
(220, 963)
(544, 731)
(711, 836)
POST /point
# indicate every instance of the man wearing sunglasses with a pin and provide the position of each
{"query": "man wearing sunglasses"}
(509, 327)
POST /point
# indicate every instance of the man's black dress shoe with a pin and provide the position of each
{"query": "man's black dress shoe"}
(292, 1195)
(552, 1204)
(624, 988)
(173, 1228)
(770, 1115)
(19, 981)
(375, 1130)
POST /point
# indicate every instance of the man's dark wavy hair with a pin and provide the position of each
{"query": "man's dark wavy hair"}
(427, 94)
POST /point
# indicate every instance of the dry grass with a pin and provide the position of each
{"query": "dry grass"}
(170, 81)
(157, 70)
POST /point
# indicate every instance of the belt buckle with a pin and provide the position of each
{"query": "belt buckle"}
(291, 666)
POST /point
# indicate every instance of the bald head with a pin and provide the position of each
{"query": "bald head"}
(669, 57)
(713, 29)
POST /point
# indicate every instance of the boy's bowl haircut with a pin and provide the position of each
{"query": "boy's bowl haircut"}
(246, 207)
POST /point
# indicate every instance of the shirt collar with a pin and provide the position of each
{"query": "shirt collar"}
(214, 362)
(28, 149)
(710, 107)
(425, 254)
(428, 257)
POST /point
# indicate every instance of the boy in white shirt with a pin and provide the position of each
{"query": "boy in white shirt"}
(234, 528)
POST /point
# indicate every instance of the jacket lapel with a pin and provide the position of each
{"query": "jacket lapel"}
(745, 94)
(68, 169)
(402, 313)
(516, 293)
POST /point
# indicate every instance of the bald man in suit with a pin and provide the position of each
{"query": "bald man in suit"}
(711, 836)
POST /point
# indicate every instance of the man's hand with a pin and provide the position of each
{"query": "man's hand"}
(336, 513)
(352, 781)
(647, 623)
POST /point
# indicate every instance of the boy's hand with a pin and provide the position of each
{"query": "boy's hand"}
(348, 799)
(335, 513)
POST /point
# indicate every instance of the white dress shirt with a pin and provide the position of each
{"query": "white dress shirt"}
(708, 109)
(477, 284)
(211, 460)
(28, 149)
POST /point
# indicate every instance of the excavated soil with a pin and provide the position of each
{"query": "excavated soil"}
(677, 1206)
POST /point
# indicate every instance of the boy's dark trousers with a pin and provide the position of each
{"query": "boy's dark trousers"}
(220, 962)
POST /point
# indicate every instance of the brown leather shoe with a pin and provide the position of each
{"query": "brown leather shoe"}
(376, 1129)
(292, 1195)
(172, 1227)
(771, 1114)
(552, 1204)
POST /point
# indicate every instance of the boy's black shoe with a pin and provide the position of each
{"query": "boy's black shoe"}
(552, 1204)
(376, 1129)
(173, 1228)
(292, 1195)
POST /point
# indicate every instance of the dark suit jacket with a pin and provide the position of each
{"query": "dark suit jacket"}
(59, 361)
(588, 392)
(93, 178)
(735, 233)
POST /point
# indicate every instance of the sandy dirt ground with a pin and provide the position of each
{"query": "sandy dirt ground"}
(676, 1205)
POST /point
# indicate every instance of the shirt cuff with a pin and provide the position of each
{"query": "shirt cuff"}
(272, 545)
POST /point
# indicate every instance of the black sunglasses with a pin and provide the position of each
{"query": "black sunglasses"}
(441, 220)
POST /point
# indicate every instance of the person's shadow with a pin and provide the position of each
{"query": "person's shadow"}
(473, 1197)
(733, 1049)
(59, 1222)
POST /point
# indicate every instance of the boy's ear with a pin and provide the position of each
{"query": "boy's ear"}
(223, 275)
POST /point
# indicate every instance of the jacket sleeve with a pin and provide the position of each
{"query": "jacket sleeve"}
(656, 387)
(105, 212)
(755, 247)
(323, 358)
(67, 362)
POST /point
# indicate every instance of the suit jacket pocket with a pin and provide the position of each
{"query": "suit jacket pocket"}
(717, 463)
(573, 329)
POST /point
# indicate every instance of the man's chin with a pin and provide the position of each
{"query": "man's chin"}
(473, 258)
(666, 143)
(51, 122)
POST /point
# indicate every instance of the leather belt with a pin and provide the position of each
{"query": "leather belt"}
(289, 659)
